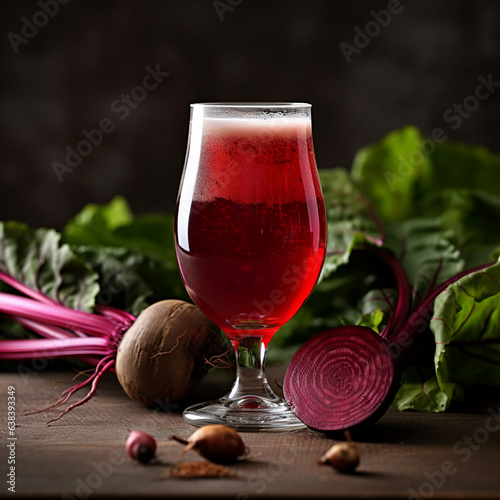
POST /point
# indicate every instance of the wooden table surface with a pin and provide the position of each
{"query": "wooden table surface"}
(404, 455)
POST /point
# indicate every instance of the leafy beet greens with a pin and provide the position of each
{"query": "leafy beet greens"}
(438, 214)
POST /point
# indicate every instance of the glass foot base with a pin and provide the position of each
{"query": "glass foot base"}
(249, 413)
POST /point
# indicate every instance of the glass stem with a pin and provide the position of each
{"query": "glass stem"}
(251, 381)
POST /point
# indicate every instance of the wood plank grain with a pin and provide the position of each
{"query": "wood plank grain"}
(83, 455)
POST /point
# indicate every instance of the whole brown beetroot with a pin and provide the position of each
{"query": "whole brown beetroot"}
(163, 356)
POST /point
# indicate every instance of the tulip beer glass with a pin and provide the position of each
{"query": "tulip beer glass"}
(250, 241)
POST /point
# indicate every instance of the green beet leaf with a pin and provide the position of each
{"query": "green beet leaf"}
(376, 308)
(394, 173)
(420, 391)
(114, 225)
(426, 252)
(472, 218)
(38, 260)
(466, 326)
(457, 165)
(96, 224)
(145, 244)
(350, 217)
(131, 279)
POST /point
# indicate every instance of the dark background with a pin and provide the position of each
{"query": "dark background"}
(66, 77)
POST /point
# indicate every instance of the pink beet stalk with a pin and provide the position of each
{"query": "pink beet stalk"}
(404, 298)
(420, 317)
(52, 348)
(56, 314)
(67, 333)
(26, 290)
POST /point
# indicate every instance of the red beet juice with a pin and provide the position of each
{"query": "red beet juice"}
(250, 224)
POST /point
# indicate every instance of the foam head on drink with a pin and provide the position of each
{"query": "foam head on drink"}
(249, 160)
(251, 236)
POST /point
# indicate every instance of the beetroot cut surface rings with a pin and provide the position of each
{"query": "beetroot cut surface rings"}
(340, 378)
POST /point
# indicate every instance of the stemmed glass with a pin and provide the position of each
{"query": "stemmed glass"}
(250, 241)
